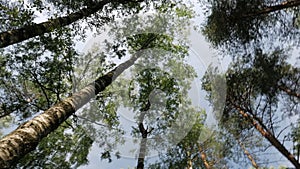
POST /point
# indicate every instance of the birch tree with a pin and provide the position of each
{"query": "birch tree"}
(28, 135)
(9, 37)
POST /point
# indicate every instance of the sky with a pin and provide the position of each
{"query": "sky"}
(201, 56)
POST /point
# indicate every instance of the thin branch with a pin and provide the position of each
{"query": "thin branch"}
(289, 91)
(99, 124)
(42, 88)
(270, 9)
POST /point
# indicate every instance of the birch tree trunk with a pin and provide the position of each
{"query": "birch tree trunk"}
(18, 35)
(27, 136)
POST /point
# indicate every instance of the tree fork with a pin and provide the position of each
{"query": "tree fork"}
(143, 146)
(144, 132)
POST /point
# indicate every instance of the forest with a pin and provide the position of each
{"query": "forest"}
(150, 84)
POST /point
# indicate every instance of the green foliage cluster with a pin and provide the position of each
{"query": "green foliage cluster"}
(239, 25)
(14, 15)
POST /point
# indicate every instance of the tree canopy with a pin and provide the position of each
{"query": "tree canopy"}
(97, 82)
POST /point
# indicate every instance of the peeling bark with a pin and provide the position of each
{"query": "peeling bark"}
(18, 35)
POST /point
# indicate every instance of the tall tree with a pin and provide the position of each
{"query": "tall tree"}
(27, 136)
(156, 114)
(253, 93)
(74, 137)
(267, 82)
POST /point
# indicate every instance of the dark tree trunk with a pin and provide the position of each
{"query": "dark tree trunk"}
(269, 9)
(18, 35)
(144, 132)
(143, 147)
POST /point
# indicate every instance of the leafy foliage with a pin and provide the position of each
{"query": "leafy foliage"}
(14, 15)
(198, 145)
(38, 74)
(239, 25)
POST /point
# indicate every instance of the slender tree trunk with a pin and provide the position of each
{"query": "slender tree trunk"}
(204, 157)
(27, 136)
(298, 152)
(264, 131)
(189, 161)
(17, 35)
(144, 131)
(247, 153)
(143, 147)
(267, 10)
